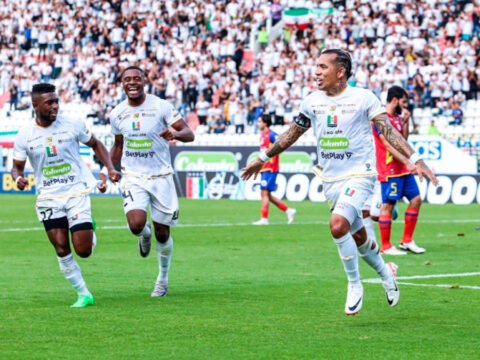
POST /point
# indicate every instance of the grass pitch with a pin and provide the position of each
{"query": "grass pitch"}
(237, 291)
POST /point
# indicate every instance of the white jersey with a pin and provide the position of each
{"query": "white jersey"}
(54, 153)
(342, 128)
(145, 153)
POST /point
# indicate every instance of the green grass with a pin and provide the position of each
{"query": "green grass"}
(236, 291)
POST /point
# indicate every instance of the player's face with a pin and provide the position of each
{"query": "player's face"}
(327, 72)
(261, 125)
(133, 83)
(46, 106)
(402, 104)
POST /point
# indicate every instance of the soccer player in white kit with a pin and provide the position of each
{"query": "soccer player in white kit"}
(340, 116)
(63, 182)
(141, 126)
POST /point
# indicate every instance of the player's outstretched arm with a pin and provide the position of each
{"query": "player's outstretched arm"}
(102, 154)
(17, 174)
(182, 132)
(398, 142)
(284, 141)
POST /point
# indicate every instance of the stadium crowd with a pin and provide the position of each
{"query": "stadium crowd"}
(196, 54)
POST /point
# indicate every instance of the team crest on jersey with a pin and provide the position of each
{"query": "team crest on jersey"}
(349, 192)
(51, 150)
(332, 120)
(136, 125)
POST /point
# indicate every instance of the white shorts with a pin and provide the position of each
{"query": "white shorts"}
(159, 192)
(347, 197)
(374, 201)
(77, 209)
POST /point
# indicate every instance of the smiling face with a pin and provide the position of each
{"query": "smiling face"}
(328, 73)
(46, 107)
(133, 82)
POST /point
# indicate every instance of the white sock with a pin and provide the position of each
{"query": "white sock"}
(368, 223)
(94, 241)
(164, 253)
(348, 254)
(373, 258)
(72, 273)
(146, 232)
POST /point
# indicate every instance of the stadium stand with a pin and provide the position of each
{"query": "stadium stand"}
(241, 51)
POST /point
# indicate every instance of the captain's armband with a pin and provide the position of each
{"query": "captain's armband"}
(303, 121)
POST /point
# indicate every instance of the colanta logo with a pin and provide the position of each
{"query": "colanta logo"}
(136, 124)
(334, 143)
(139, 144)
(206, 161)
(51, 150)
(52, 171)
(332, 120)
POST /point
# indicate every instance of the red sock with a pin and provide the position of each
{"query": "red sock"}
(282, 206)
(264, 212)
(411, 217)
(385, 225)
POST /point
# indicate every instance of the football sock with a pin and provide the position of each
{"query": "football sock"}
(94, 241)
(72, 273)
(368, 223)
(264, 212)
(385, 225)
(164, 253)
(373, 258)
(348, 254)
(411, 217)
(282, 206)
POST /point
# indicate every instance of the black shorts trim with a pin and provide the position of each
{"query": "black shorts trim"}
(82, 226)
(59, 223)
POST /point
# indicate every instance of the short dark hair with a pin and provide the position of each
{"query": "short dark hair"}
(343, 59)
(132, 67)
(42, 88)
(267, 119)
(396, 92)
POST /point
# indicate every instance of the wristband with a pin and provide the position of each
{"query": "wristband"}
(263, 156)
(18, 178)
(415, 157)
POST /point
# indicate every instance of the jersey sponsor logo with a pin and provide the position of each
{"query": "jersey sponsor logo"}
(135, 124)
(51, 150)
(206, 161)
(138, 154)
(56, 181)
(336, 156)
(143, 144)
(57, 170)
(334, 143)
(332, 120)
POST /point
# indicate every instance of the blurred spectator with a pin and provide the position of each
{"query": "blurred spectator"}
(433, 129)
(457, 114)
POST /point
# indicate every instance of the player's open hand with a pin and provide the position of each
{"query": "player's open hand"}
(22, 183)
(167, 135)
(424, 170)
(253, 168)
(114, 175)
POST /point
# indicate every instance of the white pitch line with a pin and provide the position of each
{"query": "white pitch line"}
(440, 221)
(432, 276)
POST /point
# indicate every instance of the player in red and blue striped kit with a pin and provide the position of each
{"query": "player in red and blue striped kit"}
(269, 174)
(396, 178)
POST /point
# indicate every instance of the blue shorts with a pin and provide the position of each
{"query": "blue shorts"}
(398, 187)
(269, 181)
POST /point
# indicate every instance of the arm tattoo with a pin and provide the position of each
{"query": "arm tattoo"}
(392, 135)
(286, 140)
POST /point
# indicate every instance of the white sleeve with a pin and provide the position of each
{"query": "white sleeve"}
(373, 107)
(84, 135)
(20, 148)
(113, 123)
(170, 114)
